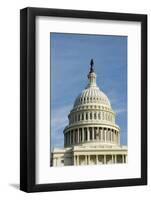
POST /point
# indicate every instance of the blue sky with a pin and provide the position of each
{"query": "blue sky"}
(70, 58)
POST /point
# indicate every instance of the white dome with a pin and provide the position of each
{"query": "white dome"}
(92, 95)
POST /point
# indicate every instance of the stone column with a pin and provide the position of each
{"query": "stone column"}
(101, 134)
(84, 115)
(88, 134)
(65, 139)
(126, 159)
(112, 136)
(105, 135)
(73, 135)
(82, 134)
(115, 136)
(92, 133)
(69, 137)
(98, 134)
(78, 136)
(77, 159)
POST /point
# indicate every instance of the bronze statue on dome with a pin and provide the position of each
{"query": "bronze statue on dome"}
(92, 64)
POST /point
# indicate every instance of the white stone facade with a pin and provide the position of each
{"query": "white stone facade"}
(92, 136)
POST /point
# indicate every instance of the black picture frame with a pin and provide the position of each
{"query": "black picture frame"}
(28, 99)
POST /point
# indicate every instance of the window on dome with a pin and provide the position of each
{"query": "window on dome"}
(95, 116)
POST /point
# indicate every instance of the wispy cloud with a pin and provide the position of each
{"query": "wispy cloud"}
(59, 120)
(120, 110)
(59, 117)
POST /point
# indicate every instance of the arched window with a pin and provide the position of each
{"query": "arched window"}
(86, 116)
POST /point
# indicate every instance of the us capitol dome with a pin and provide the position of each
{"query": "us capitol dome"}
(92, 135)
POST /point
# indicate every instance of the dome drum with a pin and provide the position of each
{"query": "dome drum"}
(101, 135)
